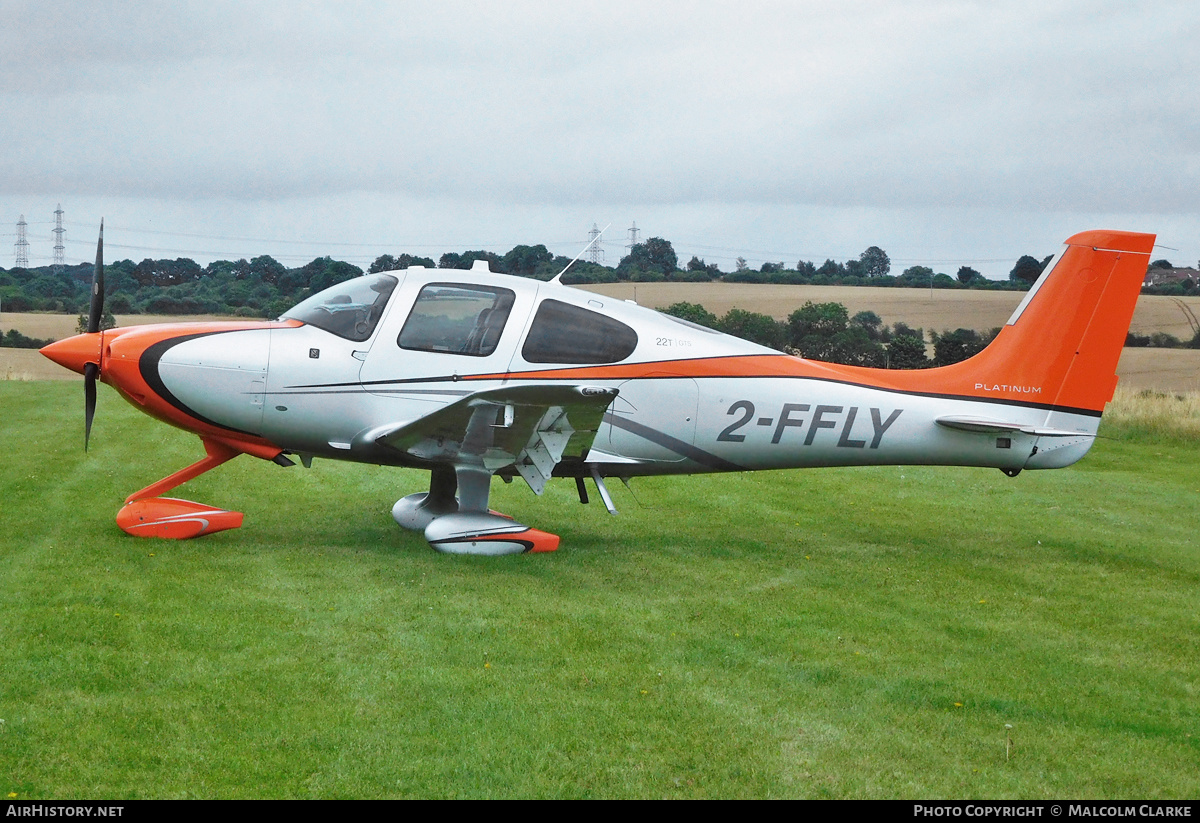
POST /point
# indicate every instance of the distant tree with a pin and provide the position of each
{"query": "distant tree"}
(694, 313)
(817, 320)
(740, 264)
(269, 270)
(823, 331)
(320, 274)
(167, 272)
(917, 275)
(653, 260)
(906, 351)
(384, 262)
(13, 339)
(771, 268)
(870, 322)
(406, 260)
(525, 260)
(17, 302)
(966, 274)
(954, 346)
(107, 321)
(875, 262)
(805, 268)
(755, 327)
(1026, 270)
(698, 271)
(1163, 340)
(465, 260)
(1161, 264)
(662, 254)
(854, 347)
(697, 265)
(831, 269)
(218, 269)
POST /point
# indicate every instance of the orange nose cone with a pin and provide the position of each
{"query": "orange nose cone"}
(76, 352)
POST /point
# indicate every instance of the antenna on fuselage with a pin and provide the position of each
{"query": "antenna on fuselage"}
(558, 277)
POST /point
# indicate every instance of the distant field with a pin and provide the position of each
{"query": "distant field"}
(1160, 369)
(58, 326)
(947, 309)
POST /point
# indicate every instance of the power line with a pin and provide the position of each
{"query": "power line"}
(279, 241)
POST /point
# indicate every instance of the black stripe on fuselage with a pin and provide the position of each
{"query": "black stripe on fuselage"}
(680, 447)
(148, 366)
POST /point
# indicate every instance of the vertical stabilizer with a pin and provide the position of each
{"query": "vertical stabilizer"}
(1061, 346)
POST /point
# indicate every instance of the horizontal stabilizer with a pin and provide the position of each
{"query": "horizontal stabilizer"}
(985, 425)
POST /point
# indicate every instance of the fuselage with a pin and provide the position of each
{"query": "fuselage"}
(389, 349)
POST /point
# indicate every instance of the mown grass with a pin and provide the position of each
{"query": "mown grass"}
(834, 633)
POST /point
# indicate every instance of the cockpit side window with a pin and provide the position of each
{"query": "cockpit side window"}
(562, 333)
(350, 310)
(457, 318)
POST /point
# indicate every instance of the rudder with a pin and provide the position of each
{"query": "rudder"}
(1061, 346)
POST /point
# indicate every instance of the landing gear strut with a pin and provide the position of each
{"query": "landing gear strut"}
(147, 515)
(463, 524)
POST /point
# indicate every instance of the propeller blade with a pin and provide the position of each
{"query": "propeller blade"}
(90, 372)
(96, 311)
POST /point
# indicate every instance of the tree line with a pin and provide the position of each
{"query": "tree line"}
(828, 332)
(264, 287)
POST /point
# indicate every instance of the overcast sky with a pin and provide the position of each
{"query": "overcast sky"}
(948, 133)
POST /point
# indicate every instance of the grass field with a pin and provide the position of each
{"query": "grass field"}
(831, 633)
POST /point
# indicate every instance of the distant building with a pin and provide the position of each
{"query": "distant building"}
(1165, 277)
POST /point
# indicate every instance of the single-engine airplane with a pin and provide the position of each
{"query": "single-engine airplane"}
(470, 374)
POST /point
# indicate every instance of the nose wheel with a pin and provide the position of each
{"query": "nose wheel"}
(145, 514)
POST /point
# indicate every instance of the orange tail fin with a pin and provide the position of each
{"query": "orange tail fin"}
(1061, 346)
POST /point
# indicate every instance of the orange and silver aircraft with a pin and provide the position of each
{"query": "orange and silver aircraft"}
(470, 374)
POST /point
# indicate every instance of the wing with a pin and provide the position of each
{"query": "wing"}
(531, 428)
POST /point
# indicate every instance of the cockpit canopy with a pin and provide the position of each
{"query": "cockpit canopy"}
(351, 310)
(469, 319)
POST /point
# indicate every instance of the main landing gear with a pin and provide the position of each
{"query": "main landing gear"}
(455, 517)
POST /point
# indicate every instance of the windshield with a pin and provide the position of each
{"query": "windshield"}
(350, 310)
